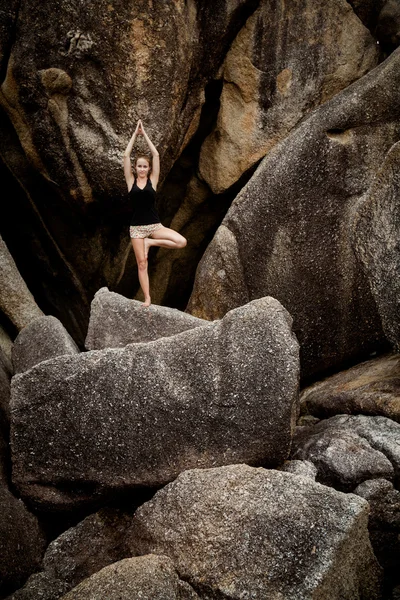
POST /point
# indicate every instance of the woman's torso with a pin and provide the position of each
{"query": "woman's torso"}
(144, 204)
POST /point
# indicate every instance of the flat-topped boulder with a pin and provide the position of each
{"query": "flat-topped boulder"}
(239, 532)
(42, 339)
(116, 321)
(107, 420)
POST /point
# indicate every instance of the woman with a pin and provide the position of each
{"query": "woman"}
(146, 230)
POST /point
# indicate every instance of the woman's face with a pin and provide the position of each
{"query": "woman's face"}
(142, 167)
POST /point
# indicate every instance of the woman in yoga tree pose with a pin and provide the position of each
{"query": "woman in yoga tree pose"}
(146, 230)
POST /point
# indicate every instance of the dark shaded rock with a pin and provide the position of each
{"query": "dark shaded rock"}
(76, 554)
(21, 541)
(300, 467)
(283, 63)
(289, 227)
(388, 27)
(108, 420)
(16, 301)
(42, 339)
(343, 459)
(368, 11)
(5, 378)
(146, 577)
(376, 230)
(237, 531)
(370, 388)
(116, 321)
(350, 449)
(384, 524)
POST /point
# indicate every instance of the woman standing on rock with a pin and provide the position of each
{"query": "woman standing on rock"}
(146, 229)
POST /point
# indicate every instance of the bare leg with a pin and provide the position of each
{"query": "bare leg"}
(141, 259)
(165, 238)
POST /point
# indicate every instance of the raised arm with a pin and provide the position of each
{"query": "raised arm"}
(127, 158)
(155, 171)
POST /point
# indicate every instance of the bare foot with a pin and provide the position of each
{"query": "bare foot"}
(146, 246)
(147, 302)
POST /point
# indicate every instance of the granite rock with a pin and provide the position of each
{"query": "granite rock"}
(237, 532)
(144, 577)
(116, 321)
(107, 420)
(300, 467)
(42, 339)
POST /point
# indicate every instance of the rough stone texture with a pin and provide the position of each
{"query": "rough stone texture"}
(5, 378)
(16, 301)
(42, 339)
(342, 457)
(388, 27)
(370, 388)
(384, 523)
(110, 419)
(76, 554)
(74, 84)
(300, 467)
(116, 321)
(145, 577)
(21, 542)
(237, 532)
(284, 62)
(376, 225)
(289, 226)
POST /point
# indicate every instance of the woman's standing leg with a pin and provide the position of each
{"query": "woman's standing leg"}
(141, 259)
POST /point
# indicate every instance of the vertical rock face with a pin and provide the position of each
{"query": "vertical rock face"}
(234, 529)
(376, 230)
(286, 60)
(291, 224)
(113, 419)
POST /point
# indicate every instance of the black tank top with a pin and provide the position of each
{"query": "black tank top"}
(144, 204)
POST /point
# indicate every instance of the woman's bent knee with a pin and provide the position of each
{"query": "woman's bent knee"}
(182, 242)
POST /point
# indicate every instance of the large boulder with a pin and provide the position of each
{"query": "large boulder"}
(78, 553)
(370, 388)
(282, 64)
(42, 339)
(287, 233)
(16, 301)
(145, 577)
(116, 321)
(376, 230)
(237, 532)
(107, 420)
(21, 541)
(348, 450)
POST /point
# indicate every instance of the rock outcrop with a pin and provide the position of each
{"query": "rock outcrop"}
(145, 577)
(42, 339)
(289, 232)
(234, 529)
(283, 63)
(116, 321)
(370, 388)
(112, 419)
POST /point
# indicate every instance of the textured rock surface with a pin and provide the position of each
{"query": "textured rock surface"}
(300, 467)
(110, 419)
(289, 227)
(350, 449)
(5, 378)
(116, 321)
(234, 530)
(388, 27)
(16, 301)
(282, 64)
(42, 339)
(21, 542)
(384, 524)
(343, 458)
(376, 224)
(145, 577)
(76, 554)
(370, 388)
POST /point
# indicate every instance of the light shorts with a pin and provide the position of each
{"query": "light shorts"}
(143, 231)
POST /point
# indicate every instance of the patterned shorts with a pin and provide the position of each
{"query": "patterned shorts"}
(143, 231)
